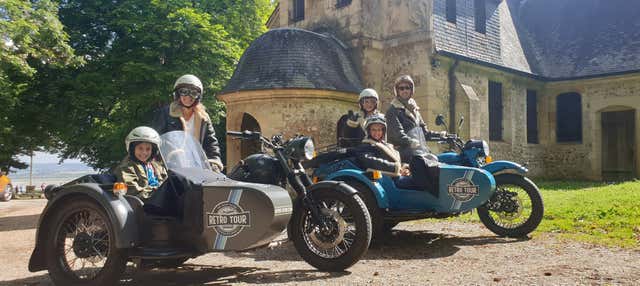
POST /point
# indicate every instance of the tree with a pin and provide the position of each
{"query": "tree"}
(134, 50)
(30, 36)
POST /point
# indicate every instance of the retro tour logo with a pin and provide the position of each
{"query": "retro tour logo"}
(463, 189)
(228, 218)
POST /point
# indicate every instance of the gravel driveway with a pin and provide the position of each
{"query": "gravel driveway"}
(443, 253)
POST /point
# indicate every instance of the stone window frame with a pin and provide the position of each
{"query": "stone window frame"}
(533, 131)
(297, 10)
(342, 3)
(496, 110)
(451, 11)
(569, 117)
(480, 16)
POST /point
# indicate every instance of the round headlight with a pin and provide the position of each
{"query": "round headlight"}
(485, 148)
(309, 149)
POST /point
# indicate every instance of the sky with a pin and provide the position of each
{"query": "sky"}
(44, 157)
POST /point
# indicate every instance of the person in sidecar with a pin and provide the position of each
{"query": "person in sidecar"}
(375, 153)
(351, 128)
(140, 170)
(187, 113)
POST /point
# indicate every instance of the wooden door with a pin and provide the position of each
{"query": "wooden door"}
(618, 145)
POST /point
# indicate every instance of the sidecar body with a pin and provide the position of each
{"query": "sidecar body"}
(460, 189)
(88, 220)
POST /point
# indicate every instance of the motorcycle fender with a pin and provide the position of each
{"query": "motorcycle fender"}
(376, 189)
(121, 216)
(499, 167)
(334, 185)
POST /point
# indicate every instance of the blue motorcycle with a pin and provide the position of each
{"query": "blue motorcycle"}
(508, 203)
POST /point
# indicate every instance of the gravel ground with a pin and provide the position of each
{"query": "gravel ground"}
(443, 253)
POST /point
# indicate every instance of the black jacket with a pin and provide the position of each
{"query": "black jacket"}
(371, 155)
(163, 122)
(399, 122)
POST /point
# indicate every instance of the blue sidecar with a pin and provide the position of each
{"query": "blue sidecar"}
(508, 203)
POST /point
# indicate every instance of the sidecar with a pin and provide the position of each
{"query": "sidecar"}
(393, 200)
(90, 227)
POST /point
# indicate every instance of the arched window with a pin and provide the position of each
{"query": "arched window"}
(569, 117)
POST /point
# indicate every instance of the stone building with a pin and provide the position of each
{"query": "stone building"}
(554, 84)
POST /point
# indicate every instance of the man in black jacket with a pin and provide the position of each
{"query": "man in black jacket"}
(402, 116)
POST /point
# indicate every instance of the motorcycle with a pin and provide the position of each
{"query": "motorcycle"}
(508, 203)
(517, 207)
(90, 227)
(329, 220)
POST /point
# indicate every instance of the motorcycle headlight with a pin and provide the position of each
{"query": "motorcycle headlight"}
(300, 148)
(485, 148)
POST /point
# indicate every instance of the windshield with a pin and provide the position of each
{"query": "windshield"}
(180, 150)
(418, 134)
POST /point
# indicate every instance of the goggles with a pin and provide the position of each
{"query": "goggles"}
(188, 92)
(404, 87)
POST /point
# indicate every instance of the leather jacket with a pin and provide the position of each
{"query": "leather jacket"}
(399, 122)
(379, 156)
(165, 121)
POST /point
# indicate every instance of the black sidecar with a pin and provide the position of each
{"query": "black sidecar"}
(88, 230)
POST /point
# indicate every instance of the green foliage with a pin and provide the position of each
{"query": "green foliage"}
(602, 214)
(30, 36)
(134, 50)
(592, 212)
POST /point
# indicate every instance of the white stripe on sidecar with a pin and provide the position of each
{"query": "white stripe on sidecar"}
(221, 240)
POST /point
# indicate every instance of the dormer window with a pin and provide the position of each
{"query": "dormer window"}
(342, 3)
(298, 10)
(451, 11)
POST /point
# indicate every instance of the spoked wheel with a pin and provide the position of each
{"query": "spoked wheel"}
(515, 209)
(341, 239)
(81, 246)
(7, 195)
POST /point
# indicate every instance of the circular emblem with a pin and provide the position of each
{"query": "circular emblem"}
(228, 219)
(463, 190)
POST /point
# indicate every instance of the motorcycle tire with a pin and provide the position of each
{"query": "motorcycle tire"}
(332, 257)
(537, 207)
(96, 234)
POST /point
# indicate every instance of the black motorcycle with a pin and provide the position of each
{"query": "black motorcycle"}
(330, 225)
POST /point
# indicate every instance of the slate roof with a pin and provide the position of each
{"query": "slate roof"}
(579, 38)
(295, 58)
(559, 39)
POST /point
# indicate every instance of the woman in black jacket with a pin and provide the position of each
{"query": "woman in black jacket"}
(188, 114)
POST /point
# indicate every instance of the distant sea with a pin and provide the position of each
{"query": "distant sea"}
(50, 173)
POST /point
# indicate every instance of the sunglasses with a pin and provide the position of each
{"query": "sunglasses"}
(404, 87)
(188, 92)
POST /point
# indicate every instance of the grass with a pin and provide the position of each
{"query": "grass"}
(597, 213)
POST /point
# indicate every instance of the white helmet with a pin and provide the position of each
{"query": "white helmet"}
(376, 119)
(188, 79)
(368, 92)
(142, 134)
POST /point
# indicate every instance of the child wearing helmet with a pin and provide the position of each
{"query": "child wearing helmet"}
(140, 171)
(375, 153)
(187, 113)
(351, 126)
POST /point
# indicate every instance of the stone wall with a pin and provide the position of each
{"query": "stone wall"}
(289, 112)
(584, 159)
